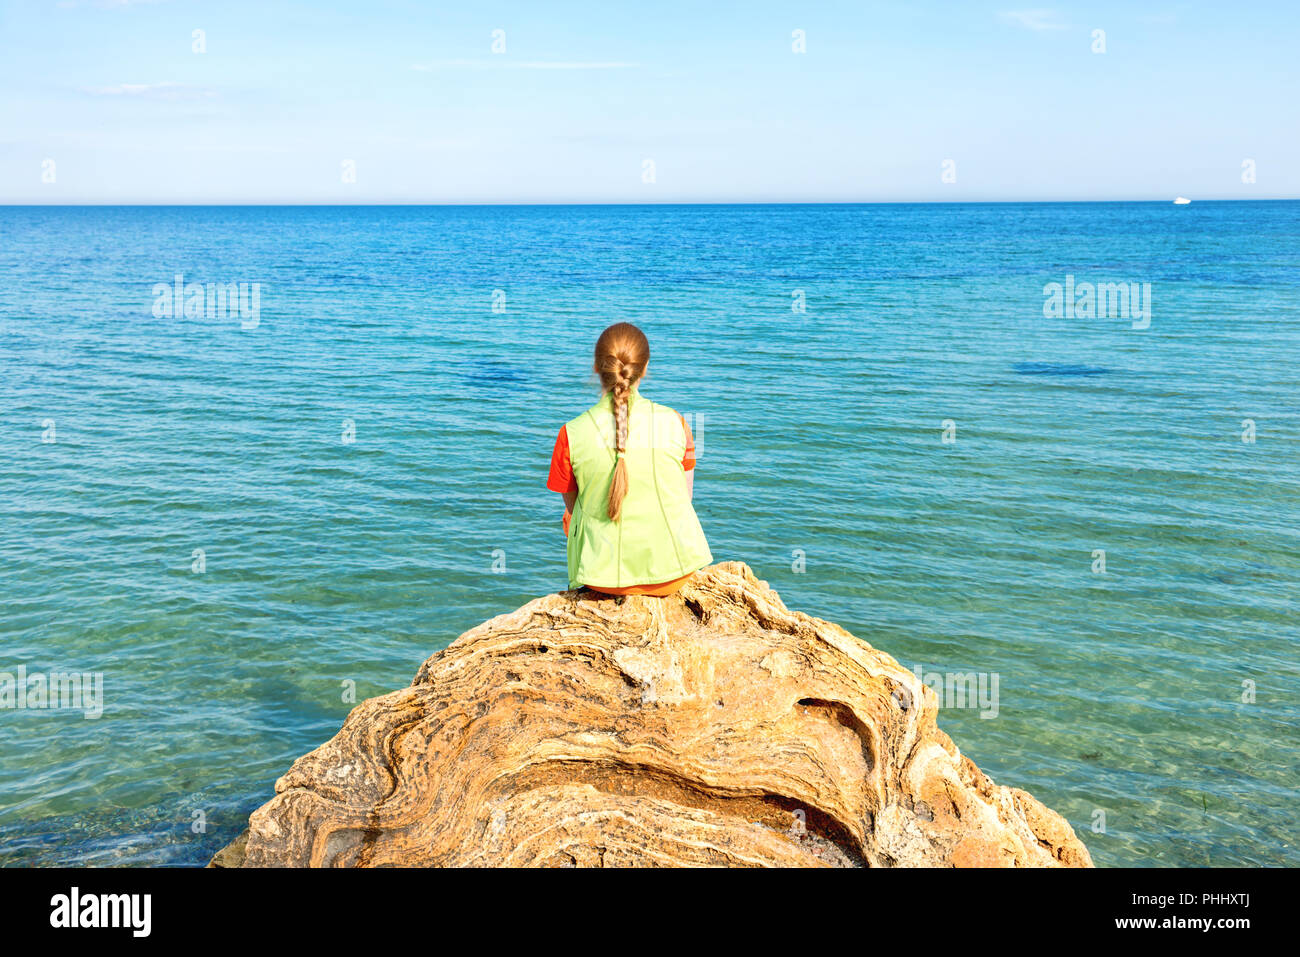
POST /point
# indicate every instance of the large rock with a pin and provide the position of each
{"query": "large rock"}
(713, 727)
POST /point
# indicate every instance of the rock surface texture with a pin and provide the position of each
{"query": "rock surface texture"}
(715, 727)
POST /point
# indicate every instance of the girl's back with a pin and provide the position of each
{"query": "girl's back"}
(633, 528)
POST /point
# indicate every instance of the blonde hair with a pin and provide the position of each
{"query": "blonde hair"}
(622, 352)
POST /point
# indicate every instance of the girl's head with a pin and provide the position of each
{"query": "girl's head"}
(622, 354)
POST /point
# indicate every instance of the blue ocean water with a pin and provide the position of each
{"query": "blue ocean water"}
(233, 519)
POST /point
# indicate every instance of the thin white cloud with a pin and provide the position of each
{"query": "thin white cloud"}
(1033, 19)
(166, 90)
(104, 4)
(503, 64)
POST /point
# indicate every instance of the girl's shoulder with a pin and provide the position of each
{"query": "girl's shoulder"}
(669, 410)
(661, 409)
(664, 414)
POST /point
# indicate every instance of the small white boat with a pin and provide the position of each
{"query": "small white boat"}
(1181, 201)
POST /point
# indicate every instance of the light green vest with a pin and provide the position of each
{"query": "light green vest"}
(658, 536)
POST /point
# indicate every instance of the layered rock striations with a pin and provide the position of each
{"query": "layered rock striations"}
(715, 727)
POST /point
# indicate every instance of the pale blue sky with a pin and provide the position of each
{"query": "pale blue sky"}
(1012, 93)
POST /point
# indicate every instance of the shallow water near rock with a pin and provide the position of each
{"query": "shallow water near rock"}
(355, 467)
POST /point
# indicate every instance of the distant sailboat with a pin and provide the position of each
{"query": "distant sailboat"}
(1181, 201)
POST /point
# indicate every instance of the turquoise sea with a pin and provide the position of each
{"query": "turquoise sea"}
(232, 519)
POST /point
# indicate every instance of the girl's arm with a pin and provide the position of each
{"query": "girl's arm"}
(690, 485)
(569, 499)
(561, 477)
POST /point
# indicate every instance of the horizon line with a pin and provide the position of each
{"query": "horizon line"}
(557, 203)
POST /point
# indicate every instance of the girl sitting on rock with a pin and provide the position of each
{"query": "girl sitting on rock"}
(626, 470)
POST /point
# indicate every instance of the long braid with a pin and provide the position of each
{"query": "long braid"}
(618, 486)
(622, 352)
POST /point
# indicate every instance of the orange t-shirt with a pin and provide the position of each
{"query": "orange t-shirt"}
(561, 480)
